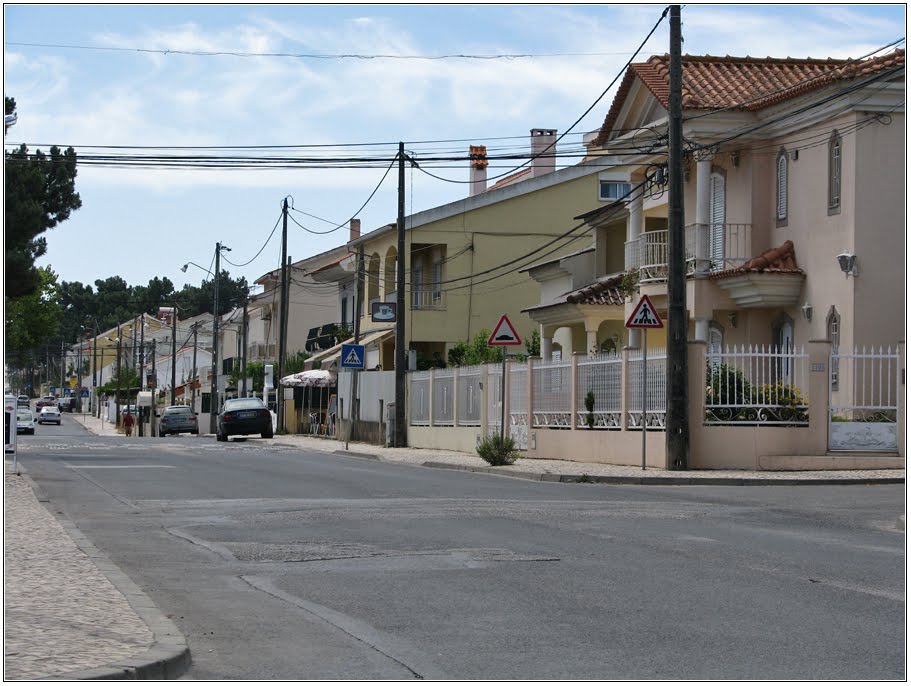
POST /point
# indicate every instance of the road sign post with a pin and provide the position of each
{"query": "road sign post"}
(644, 317)
(503, 334)
(10, 410)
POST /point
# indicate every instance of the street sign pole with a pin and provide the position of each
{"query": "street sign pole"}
(503, 400)
(644, 377)
(504, 333)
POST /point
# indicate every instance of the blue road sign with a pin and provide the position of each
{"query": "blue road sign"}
(353, 356)
(84, 393)
(52, 390)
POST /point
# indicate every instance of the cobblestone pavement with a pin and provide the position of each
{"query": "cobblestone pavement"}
(61, 613)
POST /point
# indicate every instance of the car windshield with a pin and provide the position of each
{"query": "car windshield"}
(24, 416)
(244, 404)
(183, 409)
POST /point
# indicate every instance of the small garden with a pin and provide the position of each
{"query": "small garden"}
(731, 398)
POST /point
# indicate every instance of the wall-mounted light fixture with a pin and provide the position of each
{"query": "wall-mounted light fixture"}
(735, 158)
(732, 319)
(847, 262)
(807, 310)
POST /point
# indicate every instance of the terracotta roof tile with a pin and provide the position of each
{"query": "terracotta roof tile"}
(742, 83)
(604, 291)
(780, 260)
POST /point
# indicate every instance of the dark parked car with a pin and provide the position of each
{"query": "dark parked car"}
(177, 419)
(242, 417)
(46, 401)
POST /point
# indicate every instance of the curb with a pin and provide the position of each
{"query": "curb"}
(666, 480)
(167, 658)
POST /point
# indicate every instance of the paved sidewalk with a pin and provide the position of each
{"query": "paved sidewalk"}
(69, 612)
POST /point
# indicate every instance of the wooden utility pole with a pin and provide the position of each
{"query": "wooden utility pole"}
(213, 394)
(400, 352)
(283, 321)
(677, 421)
(174, 354)
(154, 392)
(193, 377)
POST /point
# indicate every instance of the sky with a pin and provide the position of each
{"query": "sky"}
(120, 75)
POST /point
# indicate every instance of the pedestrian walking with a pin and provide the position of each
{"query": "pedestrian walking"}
(128, 424)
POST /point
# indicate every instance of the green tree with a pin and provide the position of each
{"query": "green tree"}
(32, 320)
(294, 362)
(40, 192)
(475, 351)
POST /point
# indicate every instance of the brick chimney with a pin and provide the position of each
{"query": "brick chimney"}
(354, 231)
(541, 140)
(477, 155)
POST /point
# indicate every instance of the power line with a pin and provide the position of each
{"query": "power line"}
(320, 56)
(272, 233)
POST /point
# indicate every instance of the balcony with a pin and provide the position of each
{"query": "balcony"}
(261, 351)
(709, 248)
(427, 300)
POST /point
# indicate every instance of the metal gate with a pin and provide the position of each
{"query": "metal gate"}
(863, 400)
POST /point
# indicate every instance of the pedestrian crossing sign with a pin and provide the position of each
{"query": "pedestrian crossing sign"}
(352, 356)
(645, 316)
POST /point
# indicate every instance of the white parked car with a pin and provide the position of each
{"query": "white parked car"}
(49, 415)
(25, 422)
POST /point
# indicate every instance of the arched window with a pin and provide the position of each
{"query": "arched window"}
(834, 173)
(783, 338)
(781, 188)
(373, 278)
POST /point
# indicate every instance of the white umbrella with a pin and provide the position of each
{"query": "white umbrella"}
(311, 377)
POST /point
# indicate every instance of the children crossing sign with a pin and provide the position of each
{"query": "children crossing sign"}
(504, 333)
(352, 356)
(645, 316)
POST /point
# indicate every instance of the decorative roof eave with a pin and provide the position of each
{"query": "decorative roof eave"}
(769, 289)
(718, 83)
(604, 291)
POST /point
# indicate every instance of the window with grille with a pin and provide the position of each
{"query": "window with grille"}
(437, 280)
(835, 172)
(781, 197)
(833, 326)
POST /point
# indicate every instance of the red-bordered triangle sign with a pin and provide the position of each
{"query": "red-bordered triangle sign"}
(504, 333)
(645, 316)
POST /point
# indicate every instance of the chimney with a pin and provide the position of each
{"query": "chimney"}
(354, 231)
(541, 140)
(477, 154)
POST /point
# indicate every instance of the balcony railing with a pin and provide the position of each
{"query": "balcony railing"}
(708, 248)
(427, 300)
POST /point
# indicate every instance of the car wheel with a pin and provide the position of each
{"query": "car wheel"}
(267, 433)
(221, 438)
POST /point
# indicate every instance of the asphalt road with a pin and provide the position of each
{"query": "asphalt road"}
(278, 564)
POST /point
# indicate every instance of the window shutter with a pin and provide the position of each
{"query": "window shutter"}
(716, 217)
(782, 186)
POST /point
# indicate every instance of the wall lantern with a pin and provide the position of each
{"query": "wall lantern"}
(847, 262)
(807, 310)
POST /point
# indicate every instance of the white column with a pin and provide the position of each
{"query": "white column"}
(634, 338)
(702, 330)
(634, 222)
(547, 348)
(591, 341)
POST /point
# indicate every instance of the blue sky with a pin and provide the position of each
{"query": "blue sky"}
(146, 223)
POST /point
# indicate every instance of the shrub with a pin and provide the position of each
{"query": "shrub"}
(497, 452)
(590, 409)
(783, 401)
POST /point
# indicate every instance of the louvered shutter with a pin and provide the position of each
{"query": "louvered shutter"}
(782, 186)
(716, 217)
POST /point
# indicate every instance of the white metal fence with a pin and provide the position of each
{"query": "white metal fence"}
(469, 395)
(757, 385)
(551, 394)
(655, 390)
(601, 376)
(443, 397)
(863, 399)
(419, 398)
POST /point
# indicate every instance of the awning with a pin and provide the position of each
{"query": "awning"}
(311, 377)
(326, 358)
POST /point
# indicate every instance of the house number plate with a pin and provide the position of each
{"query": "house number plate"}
(818, 367)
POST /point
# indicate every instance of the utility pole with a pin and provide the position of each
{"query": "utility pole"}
(117, 396)
(154, 392)
(400, 352)
(283, 320)
(213, 396)
(174, 354)
(677, 427)
(193, 379)
(93, 403)
(62, 366)
(142, 353)
(243, 357)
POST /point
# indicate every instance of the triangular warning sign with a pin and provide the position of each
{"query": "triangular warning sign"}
(504, 333)
(353, 359)
(645, 316)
